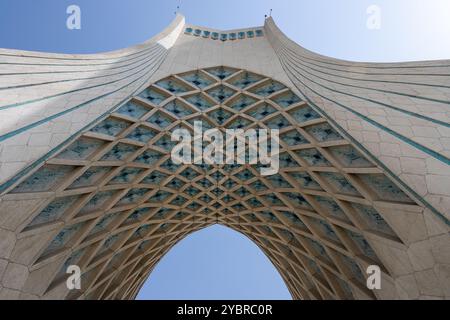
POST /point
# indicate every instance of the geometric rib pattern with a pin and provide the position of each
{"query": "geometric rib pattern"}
(117, 203)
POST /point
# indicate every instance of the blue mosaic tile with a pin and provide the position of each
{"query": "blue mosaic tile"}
(273, 200)
(313, 158)
(127, 175)
(305, 114)
(298, 200)
(286, 161)
(175, 184)
(373, 219)
(318, 249)
(111, 127)
(268, 216)
(217, 192)
(164, 227)
(268, 231)
(159, 196)
(332, 208)
(141, 232)
(221, 93)
(205, 183)
(362, 244)
(305, 180)
(198, 79)
(293, 218)
(261, 111)
(163, 213)
(349, 157)
(254, 203)
(323, 132)
(293, 138)
(54, 211)
(244, 175)
(82, 149)
(229, 184)
(353, 268)
(153, 96)
(91, 177)
(221, 72)
(97, 201)
(217, 176)
(170, 166)
(278, 122)
(103, 224)
(165, 143)
(108, 244)
(268, 89)
(258, 186)
(241, 102)
(46, 178)
(189, 174)
(133, 196)
(178, 109)
(242, 192)
(155, 177)
(199, 101)
(339, 183)
(314, 267)
(326, 230)
(278, 181)
(246, 79)
(181, 215)
(119, 152)
(178, 201)
(173, 86)
(141, 134)
(194, 206)
(138, 215)
(286, 99)
(220, 115)
(63, 238)
(239, 123)
(205, 198)
(384, 188)
(133, 110)
(149, 157)
(238, 207)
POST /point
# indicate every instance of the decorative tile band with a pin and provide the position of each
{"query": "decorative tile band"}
(224, 36)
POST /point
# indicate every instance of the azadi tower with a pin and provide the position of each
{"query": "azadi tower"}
(87, 178)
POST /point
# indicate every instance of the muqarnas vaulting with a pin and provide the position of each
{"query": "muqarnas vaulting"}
(86, 176)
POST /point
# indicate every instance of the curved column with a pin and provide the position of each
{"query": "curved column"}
(398, 113)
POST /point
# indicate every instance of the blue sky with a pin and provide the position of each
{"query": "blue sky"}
(410, 29)
(217, 263)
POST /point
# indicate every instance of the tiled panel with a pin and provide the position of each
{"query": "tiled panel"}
(131, 194)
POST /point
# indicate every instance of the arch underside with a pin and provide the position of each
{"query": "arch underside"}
(113, 202)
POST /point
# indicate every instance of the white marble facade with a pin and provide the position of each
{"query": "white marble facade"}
(85, 177)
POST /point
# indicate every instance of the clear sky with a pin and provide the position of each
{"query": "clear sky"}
(215, 263)
(218, 262)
